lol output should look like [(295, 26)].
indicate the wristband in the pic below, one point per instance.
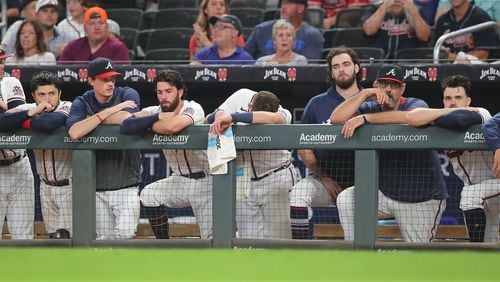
[(364, 118), (246, 117), (27, 124), (99, 117)]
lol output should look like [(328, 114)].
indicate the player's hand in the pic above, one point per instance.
[(332, 187), (3, 105), (141, 114), (166, 115), (496, 164), (351, 125), (43, 107), (129, 104), (221, 123)]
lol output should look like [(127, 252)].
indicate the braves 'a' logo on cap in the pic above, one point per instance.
[(109, 66), (391, 72)]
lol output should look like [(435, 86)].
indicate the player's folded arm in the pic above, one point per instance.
[(459, 120), (134, 125), (47, 122), (12, 120)]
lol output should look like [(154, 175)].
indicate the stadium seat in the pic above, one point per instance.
[(147, 19), (246, 31), (167, 4), (174, 37), (175, 17), (249, 17), (369, 54), (418, 55), (117, 4), (352, 37), (129, 37), (126, 17), (329, 35), (169, 55), (261, 4), (315, 17), (271, 14), (350, 17)]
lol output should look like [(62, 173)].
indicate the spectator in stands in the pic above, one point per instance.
[(309, 40), (490, 6), (283, 37), (47, 14), (73, 24), (331, 8), (471, 46), (9, 38), (480, 198), (330, 171), (225, 50), (428, 9), (97, 43), (396, 24), (114, 29), (411, 184), (203, 33), (30, 47), (13, 10), (117, 171)]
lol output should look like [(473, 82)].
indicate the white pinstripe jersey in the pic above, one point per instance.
[(53, 165), (11, 90), (261, 161), (473, 167), (184, 162)]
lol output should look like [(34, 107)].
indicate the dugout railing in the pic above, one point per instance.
[(366, 143)]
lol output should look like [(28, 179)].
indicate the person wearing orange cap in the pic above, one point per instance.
[(117, 198), (97, 43)]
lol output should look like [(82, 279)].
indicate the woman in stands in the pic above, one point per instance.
[(202, 36), (283, 38), (30, 48)]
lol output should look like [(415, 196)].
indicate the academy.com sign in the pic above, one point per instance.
[(319, 138), (15, 139)]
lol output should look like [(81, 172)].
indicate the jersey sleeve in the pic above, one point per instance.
[(287, 116), (64, 107), (238, 101), (78, 112), (131, 94), (491, 132), (194, 111), (12, 92)]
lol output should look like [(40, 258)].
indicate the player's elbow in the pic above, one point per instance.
[(413, 120), (166, 128)]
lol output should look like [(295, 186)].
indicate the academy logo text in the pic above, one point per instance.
[(473, 137), (93, 139), (252, 139), (159, 139), (317, 138), (399, 138), (15, 139)]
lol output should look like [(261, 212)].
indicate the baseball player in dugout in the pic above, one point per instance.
[(480, 198), (54, 166), (118, 171), (330, 171), (265, 177), (190, 184), (411, 184), (17, 188)]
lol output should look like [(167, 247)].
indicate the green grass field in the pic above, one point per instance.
[(44, 264)]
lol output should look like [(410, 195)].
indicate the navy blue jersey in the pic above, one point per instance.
[(491, 131), (485, 39), (408, 176), (116, 169), (337, 164)]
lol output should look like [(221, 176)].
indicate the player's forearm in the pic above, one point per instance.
[(47, 122), (347, 109), (421, 116), (13, 120), (173, 125), (116, 118), (373, 23), (480, 54), (388, 117), (134, 125), (83, 127), (267, 118), (309, 159)]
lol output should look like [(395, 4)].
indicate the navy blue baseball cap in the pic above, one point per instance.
[(102, 68), (232, 19), (392, 73)]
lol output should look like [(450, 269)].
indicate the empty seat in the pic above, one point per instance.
[(261, 4), (129, 37), (175, 17), (329, 35), (350, 17), (271, 14), (249, 17), (315, 17), (370, 54), (419, 55), (169, 55), (167, 4), (147, 19), (126, 17), (352, 37), (174, 37)]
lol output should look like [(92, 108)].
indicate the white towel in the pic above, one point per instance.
[(220, 151)]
